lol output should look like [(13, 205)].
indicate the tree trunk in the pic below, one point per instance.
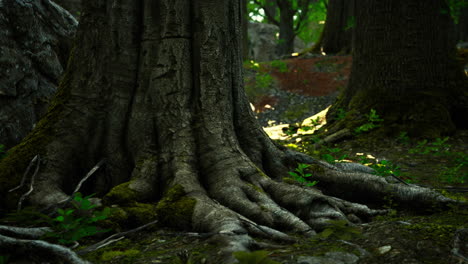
[(155, 89), (337, 33), (462, 25), (286, 27), (408, 74)]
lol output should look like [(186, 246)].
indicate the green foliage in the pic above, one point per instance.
[(455, 8), (453, 174), (310, 25), (341, 114), (373, 120), (4, 259), (386, 168), (437, 147), (263, 80), (314, 123), (403, 138), (333, 155), (256, 257), (339, 229), (300, 175), (73, 224), (280, 65)]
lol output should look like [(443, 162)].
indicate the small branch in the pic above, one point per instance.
[(113, 238), (31, 186), (25, 174)]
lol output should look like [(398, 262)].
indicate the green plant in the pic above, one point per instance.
[(256, 257), (73, 224), (373, 120), (341, 114), (438, 147), (339, 229), (280, 65), (263, 80), (386, 168), (403, 138), (4, 259), (453, 174), (332, 157), (313, 124), (300, 175)]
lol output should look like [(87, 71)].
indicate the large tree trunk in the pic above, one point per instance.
[(404, 67), (155, 89)]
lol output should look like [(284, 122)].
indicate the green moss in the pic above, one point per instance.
[(258, 189), (176, 209), (289, 180), (120, 194), (123, 256)]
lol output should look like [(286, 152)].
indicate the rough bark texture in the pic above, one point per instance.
[(35, 40), (404, 67), (72, 6), (462, 25), (155, 89), (337, 33)]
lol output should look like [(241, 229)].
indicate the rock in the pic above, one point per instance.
[(384, 249), (35, 41), (263, 41), (330, 258)]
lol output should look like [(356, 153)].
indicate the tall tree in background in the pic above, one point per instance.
[(338, 30), (408, 74), (282, 13), (462, 25), (154, 91)]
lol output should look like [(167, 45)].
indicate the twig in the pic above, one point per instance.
[(31, 186), (113, 238), (91, 172), (25, 174)]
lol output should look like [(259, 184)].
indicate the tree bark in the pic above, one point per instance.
[(155, 89), (337, 33), (405, 69)]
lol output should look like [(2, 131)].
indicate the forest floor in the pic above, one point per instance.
[(401, 237)]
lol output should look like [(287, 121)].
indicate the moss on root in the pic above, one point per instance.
[(176, 209), (121, 194)]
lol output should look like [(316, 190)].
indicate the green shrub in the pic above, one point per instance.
[(373, 120), (73, 224)]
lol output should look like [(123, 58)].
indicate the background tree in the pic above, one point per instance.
[(154, 92), (338, 30), (289, 16), (408, 74)]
